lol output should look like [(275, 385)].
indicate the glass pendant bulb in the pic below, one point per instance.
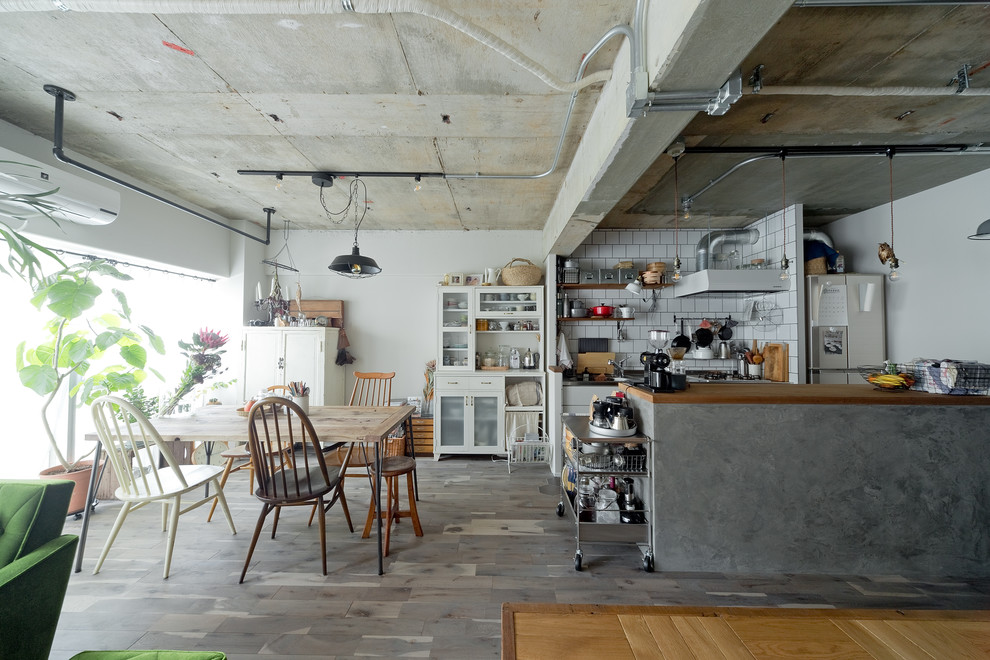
[(784, 265), (894, 274), (677, 269), (278, 182)]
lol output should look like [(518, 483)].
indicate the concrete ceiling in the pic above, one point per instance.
[(182, 101)]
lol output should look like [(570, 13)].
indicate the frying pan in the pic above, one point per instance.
[(725, 334), (681, 340), (705, 337)]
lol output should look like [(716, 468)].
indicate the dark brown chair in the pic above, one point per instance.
[(289, 466)]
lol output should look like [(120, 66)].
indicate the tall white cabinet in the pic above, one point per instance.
[(472, 414), (278, 356)]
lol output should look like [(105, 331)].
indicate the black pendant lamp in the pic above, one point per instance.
[(353, 265)]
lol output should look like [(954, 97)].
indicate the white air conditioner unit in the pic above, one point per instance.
[(77, 199)]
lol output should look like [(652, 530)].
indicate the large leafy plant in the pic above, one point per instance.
[(91, 345)]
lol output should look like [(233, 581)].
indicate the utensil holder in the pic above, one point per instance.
[(754, 370), (302, 402)]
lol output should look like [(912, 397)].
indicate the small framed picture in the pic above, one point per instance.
[(457, 279), (472, 280)]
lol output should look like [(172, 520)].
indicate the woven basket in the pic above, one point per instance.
[(815, 266), (526, 275)]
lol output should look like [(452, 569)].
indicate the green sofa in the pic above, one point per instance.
[(35, 563)]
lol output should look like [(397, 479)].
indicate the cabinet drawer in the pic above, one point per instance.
[(486, 383)]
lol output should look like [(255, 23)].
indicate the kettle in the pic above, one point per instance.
[(723, 351), (530, 360)]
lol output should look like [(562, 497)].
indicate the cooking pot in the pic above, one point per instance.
[(625, 312), (602, 310)]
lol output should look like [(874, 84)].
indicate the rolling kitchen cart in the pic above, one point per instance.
[(587, 462)]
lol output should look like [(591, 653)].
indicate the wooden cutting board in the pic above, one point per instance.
[(775, 362), (596, 363)]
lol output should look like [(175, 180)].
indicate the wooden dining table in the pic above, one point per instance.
[(333, 424)]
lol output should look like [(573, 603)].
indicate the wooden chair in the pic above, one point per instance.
[(278, 428), (238, 457), (370, 389), (133, 447)]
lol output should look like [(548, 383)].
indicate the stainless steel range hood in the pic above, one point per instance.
[(715, 281)]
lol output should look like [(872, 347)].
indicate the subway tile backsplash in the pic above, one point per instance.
[(767, 318)]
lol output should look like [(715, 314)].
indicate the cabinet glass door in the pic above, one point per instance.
[(487, 415), (453, 422), (456, 333)]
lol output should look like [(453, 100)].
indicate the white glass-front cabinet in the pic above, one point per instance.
[(456, 329), (479, 326), (469, 417), (277, 356)]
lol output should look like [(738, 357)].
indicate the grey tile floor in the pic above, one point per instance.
[(490, 537)]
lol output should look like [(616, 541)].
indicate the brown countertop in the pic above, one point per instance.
[(803, 394)]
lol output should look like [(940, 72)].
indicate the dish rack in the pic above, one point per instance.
[(528, 448), (948, 376)]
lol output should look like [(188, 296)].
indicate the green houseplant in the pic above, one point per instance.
[(87, 350), (98, 349)]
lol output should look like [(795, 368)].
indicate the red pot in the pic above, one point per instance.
[(602, 310)]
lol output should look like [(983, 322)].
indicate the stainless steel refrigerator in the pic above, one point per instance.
[(846, 327)]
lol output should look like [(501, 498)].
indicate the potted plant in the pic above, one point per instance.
[(87, 350)]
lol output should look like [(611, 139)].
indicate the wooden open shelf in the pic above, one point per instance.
[(595, 318), (580, 285)]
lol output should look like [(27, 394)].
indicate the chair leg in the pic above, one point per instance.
[(343, 505), (223, 482), (411, 488), (323, 535), (265, 509), (278, 510), (173, 525), (222, 499), (124, 510), (391, 512)]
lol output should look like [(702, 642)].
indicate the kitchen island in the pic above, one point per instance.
[(819, 479)]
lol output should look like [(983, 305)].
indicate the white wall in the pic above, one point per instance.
[(391, 319), (939, 306)]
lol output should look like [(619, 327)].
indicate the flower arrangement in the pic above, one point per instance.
[(203, 355), (431, 368)]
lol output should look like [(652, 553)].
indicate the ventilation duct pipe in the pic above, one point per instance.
[(815, 235), (715, 239)]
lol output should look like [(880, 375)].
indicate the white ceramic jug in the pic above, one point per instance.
[(491, 275)]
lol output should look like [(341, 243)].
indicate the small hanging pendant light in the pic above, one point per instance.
[(784, 261), (982, 232), (677, 249), (886, 251), (353, 265)]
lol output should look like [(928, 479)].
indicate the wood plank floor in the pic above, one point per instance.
[(534, 631), (490, 538)]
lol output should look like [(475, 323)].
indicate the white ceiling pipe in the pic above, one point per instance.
[(836, 90), (297, 7)]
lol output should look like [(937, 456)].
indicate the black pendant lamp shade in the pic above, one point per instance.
[(355, 265)]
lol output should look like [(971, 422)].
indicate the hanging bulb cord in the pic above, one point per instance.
[(783, 201), (353, 203), (677, 253), (890, 160)]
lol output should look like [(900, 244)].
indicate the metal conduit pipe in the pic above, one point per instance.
[(715, 239), (823, 152), (421, 7), (883, 3), (835, 90)]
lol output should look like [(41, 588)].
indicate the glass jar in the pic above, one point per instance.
[(488, 360)]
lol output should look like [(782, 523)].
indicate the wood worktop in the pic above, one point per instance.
[(783, 393)]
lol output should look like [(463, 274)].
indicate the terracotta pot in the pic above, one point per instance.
[(77, 504)]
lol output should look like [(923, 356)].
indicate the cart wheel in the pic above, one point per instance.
[(577, 561), (648, 563), (560, 509)]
